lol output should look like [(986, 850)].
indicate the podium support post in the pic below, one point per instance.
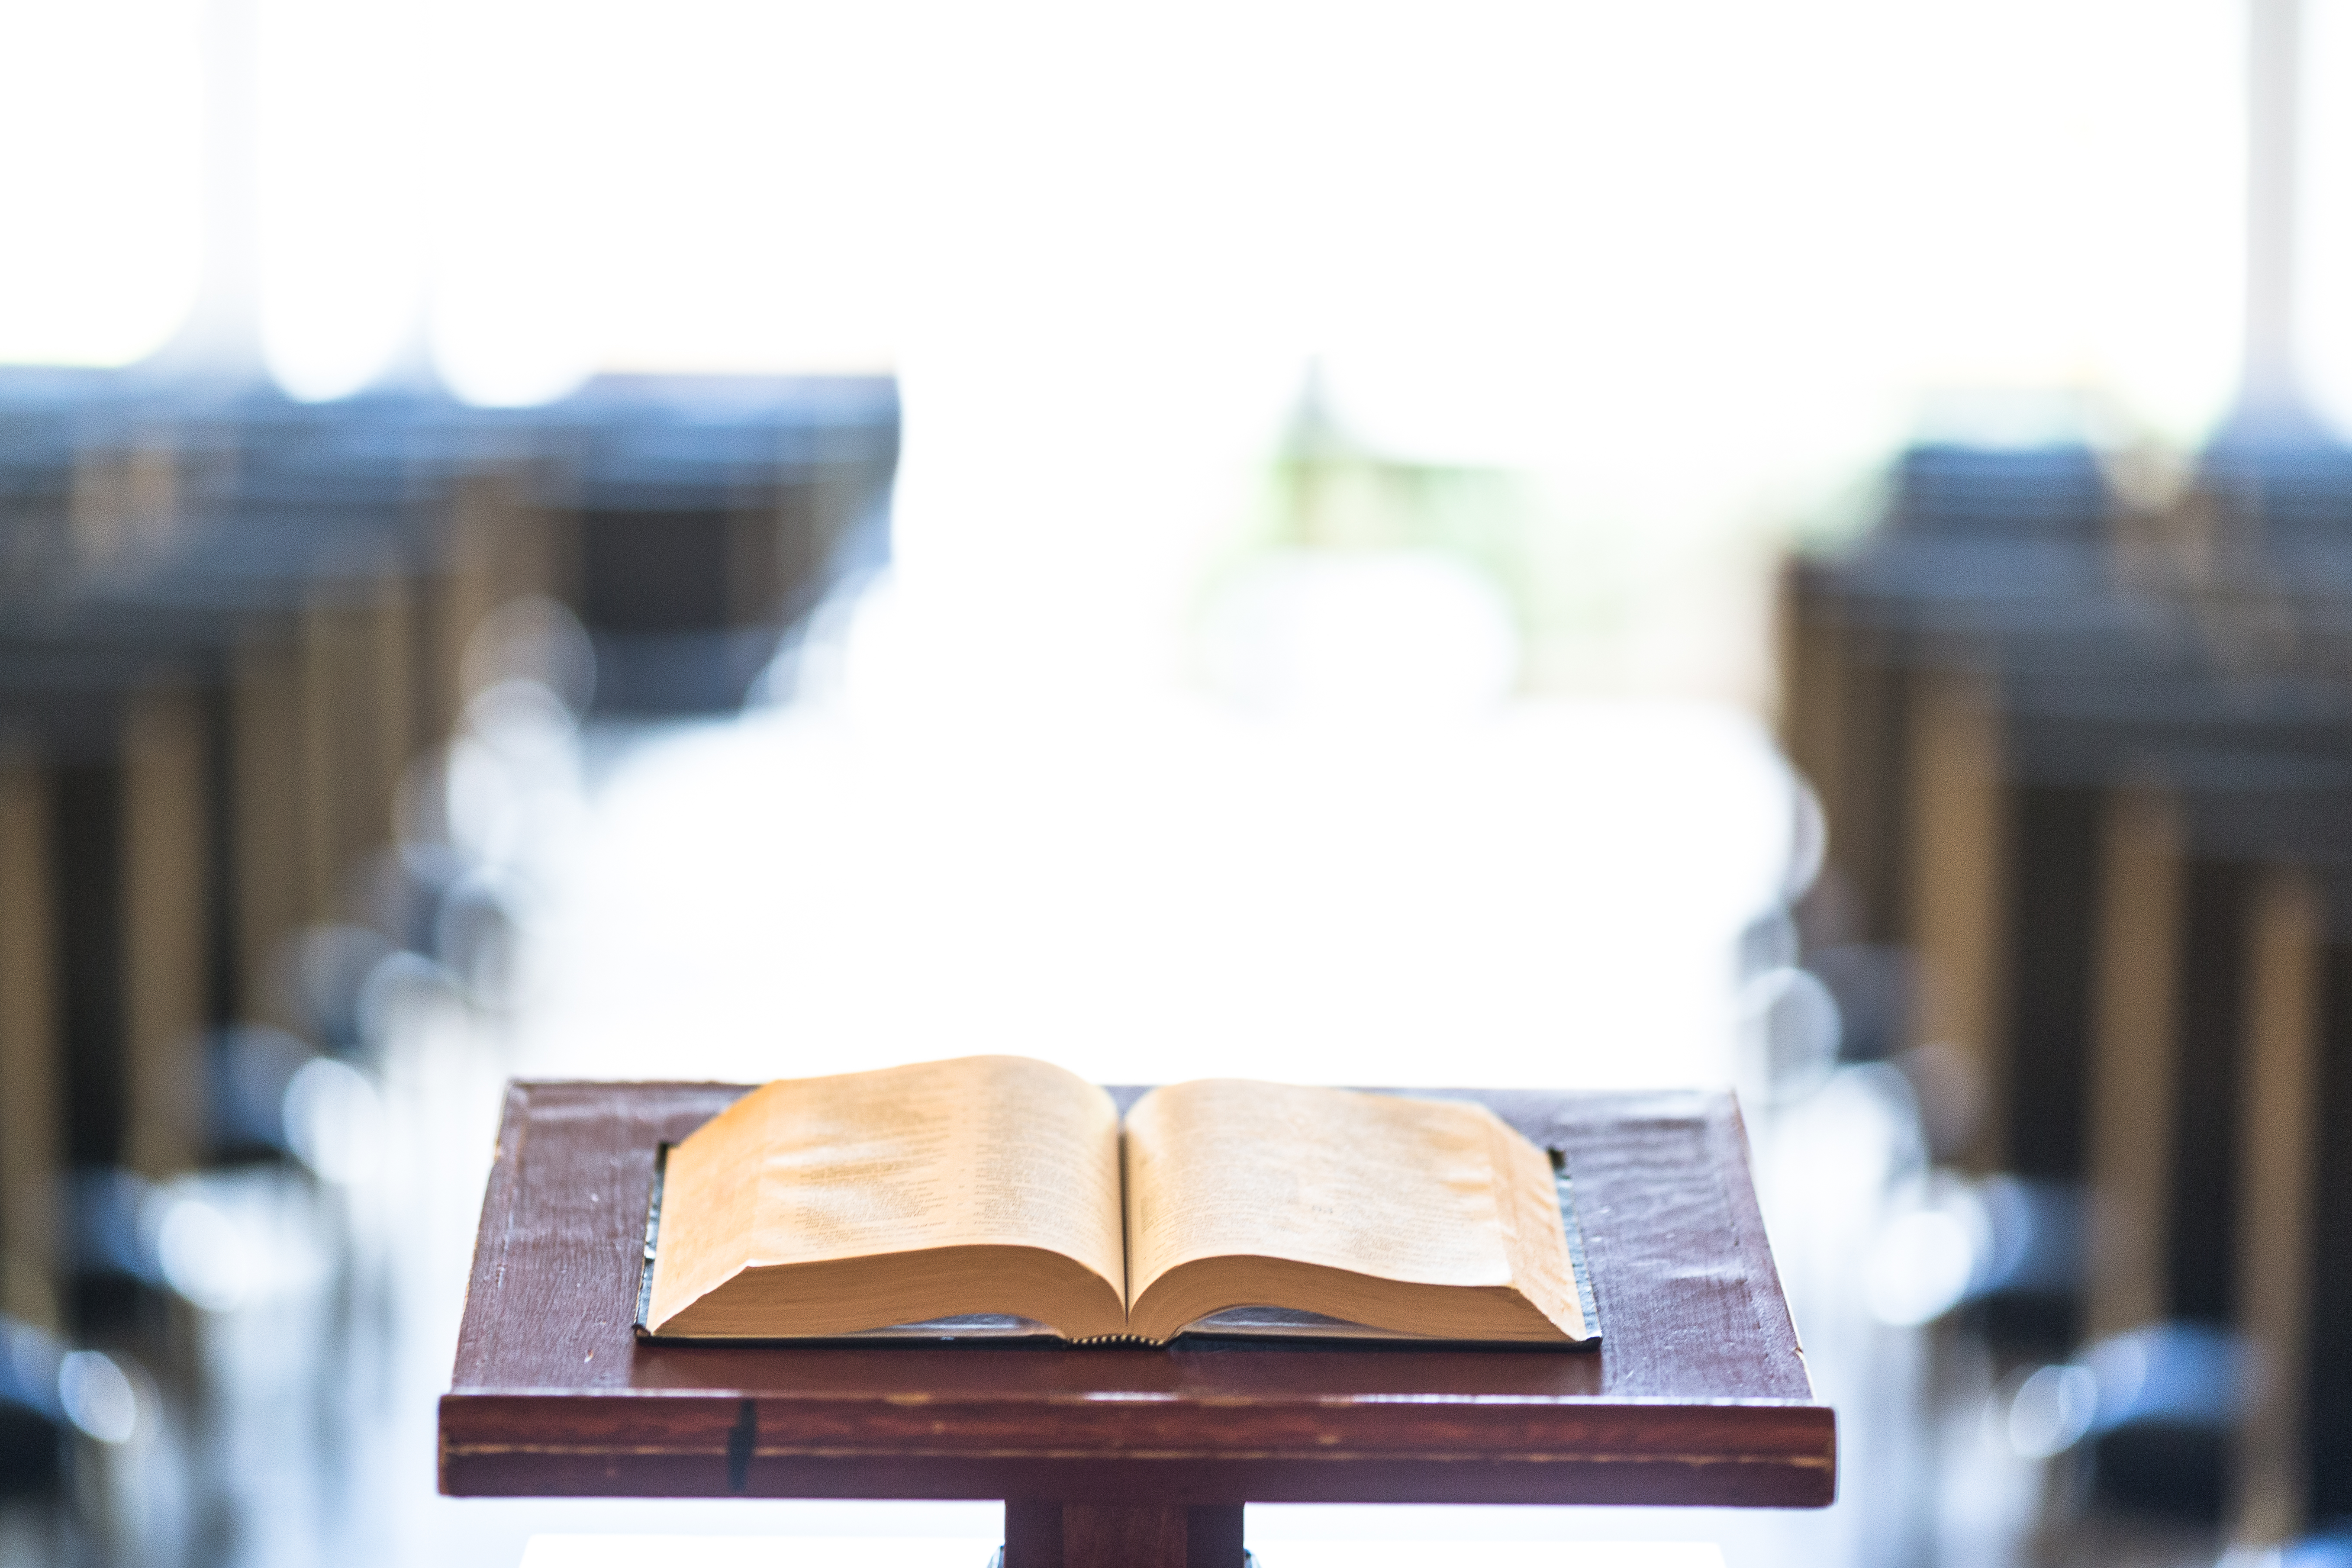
[(1087, 1535)]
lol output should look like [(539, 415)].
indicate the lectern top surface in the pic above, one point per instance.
[(1698, 1392)]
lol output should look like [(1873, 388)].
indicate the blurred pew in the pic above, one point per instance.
[(230, 626), (2091, 762)]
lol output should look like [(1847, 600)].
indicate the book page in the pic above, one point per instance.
[(974, 1151), (1397, 1189), (1527, 1202)]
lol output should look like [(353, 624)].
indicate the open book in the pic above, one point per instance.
[(1004, 1194)]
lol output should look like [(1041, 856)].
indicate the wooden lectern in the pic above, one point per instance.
[(1139, 1457)]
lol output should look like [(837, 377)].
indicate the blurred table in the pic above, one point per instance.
[(1698, 1394)]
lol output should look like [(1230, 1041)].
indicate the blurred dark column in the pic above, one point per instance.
[(2055, 867), (1960, 881), (223, 983), (1848, 735), (493, 543), (85, 838), (166, 929), (2278, 1179), (357, 672), (2130, 1090), (2327, 1405), (657, 590), (2200, 1270), (266, 773), (32, 1118)]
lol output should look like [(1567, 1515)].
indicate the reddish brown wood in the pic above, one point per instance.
[(1085, 1536), (1697, 1395), (1213, 1537), (1033, 1534), (1095, 1537)]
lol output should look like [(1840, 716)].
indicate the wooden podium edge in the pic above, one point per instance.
[(1764, 1452), (1743, 1452)]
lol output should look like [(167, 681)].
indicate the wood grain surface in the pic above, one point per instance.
[(1698, 1394)]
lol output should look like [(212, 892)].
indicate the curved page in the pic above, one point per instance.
[(1424, 1215), (811, 1193)]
